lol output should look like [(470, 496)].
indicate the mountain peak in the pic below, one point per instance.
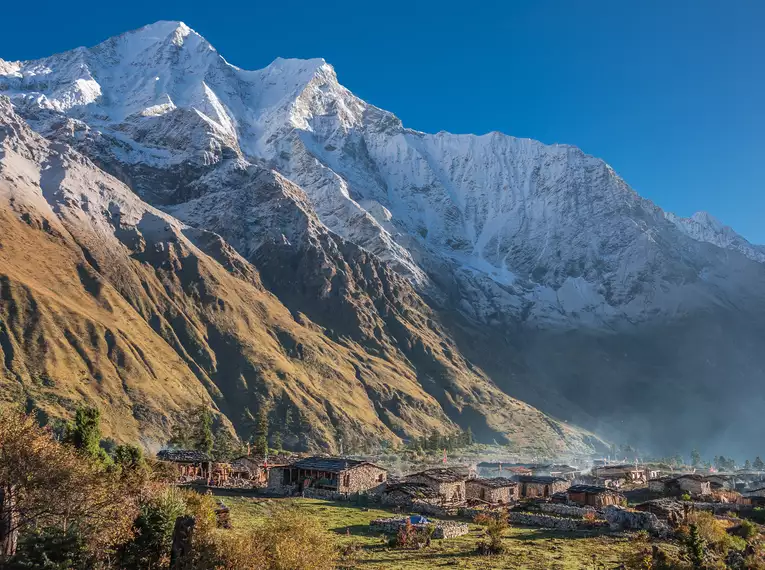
[(708, 221), (162, 30)]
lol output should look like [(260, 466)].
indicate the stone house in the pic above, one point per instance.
[(254, 469), (409, 495), (497, 490), (190, 463), (721, 482), (331, 474), (540, 486), (694, 485), (629, 473), (592, 496), (448, 483), (658, 485)]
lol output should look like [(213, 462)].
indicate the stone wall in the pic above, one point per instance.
[(362, 478), (555, 523), (433, 510), (442, 529), (312, 493), (566, 510), (532, 490), (623, 519)]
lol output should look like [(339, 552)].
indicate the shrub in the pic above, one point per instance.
[(758, 515), (495, 525), (232, 551), (154, 530), (747, 530), (655, 559), (409, 536), (129, 456), (293, 541), (51, 548)]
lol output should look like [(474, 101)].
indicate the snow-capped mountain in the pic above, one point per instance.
[(510, 228), (495, 231)]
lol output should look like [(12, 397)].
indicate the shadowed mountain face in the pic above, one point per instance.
[(471, 269)]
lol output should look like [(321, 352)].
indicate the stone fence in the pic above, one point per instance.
[(312, 493), (568, 510), (543, 520), (555, 523), (441, 529)]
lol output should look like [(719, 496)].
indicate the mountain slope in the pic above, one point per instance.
[(522, 250), (112, 301)]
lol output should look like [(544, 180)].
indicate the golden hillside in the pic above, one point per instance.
[(107, 300)]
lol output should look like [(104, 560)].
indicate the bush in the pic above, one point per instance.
[(154, 530), (747, 530), (51, 549), (409, 536), (495, 525), (290, 540), (231, 551), (656, 559)]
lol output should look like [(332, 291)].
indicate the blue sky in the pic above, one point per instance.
[(671, 93)]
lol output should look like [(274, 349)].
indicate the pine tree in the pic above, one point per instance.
[(204, 440), (695, 458), (747, 465), (85, 433), (758, 464), (695, 547), (261, 433), (469, 439), (435, 441), (277, 441)]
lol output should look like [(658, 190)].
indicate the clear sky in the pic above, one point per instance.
[(670, 92)]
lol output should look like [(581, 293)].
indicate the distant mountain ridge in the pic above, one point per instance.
[(513, 242)]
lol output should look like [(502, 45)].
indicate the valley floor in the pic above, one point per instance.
[(527, 548)]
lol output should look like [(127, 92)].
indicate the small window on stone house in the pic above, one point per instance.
[(380, 478), (346, 480)]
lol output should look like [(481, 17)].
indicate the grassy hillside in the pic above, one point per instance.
[(527, 548)]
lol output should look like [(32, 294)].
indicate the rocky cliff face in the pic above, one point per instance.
[(539, 264)]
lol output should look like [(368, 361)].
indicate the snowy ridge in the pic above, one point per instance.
[(702, 226), (503, 228)]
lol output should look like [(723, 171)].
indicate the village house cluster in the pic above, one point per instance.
[(449, 490)]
